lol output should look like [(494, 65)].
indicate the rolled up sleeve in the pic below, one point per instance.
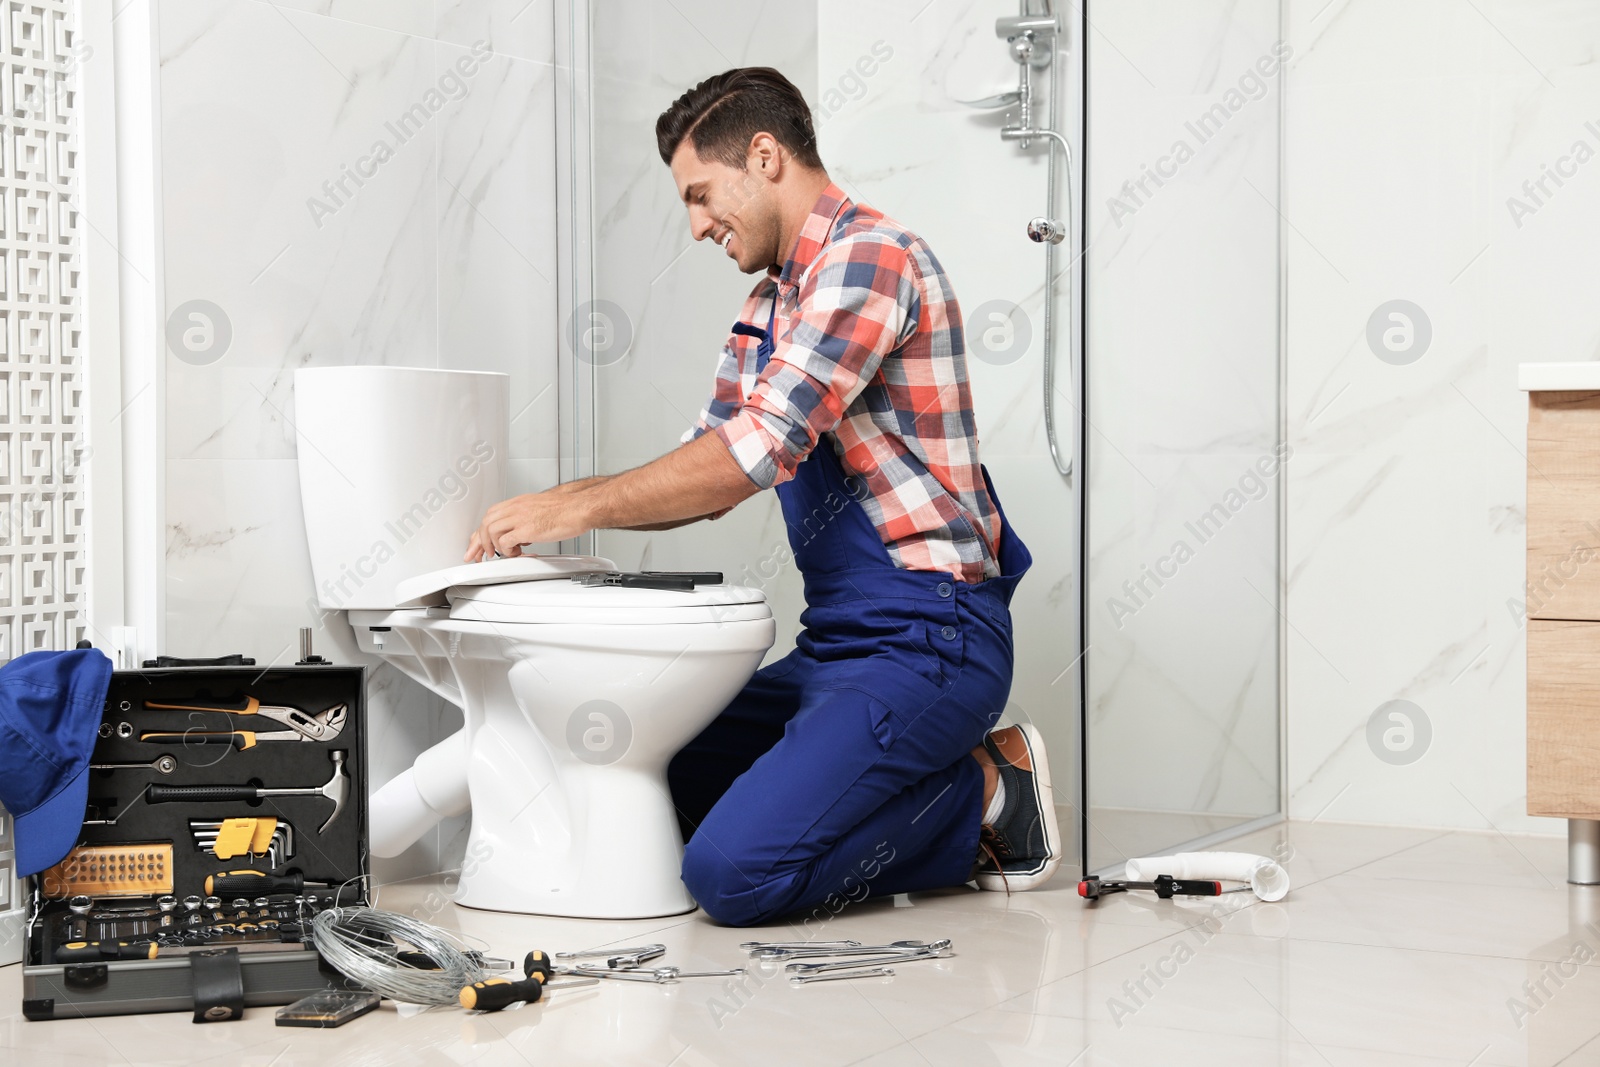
[(858, 303)]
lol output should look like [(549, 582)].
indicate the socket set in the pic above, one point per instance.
[(92, 931), (226, 807)]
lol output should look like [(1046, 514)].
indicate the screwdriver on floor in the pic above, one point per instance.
[(1166, 887), (492, 994)]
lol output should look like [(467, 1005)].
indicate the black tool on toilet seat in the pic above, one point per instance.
[(677, 581)]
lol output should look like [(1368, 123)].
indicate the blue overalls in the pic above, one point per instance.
[(844, 770)]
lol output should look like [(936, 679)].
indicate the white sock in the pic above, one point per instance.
[(998, 804)]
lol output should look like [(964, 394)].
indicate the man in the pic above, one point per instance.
[(861, 763)]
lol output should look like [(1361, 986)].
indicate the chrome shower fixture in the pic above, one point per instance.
[(1042, 229), (1032, 42)]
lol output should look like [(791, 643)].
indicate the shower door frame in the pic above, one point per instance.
[(577, 384), (1279, 484)]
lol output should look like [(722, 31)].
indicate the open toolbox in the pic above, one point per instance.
[(198, 773)]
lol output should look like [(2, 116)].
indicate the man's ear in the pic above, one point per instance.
[(766, 155)]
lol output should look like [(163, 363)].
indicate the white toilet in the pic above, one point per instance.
[(575, 693)]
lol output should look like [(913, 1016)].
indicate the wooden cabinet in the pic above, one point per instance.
[(1563, 604), (1564, 718), (1564, 505)]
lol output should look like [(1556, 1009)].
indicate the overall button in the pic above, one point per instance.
[(944, 589), (948, 633)]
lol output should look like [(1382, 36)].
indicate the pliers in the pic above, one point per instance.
[(325, 725)]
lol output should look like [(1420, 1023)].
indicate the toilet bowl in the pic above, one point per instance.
[(574, 693)]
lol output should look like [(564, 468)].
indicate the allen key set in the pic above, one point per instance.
[(226, 810)]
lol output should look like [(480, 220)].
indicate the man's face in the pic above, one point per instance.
[(735, 208)]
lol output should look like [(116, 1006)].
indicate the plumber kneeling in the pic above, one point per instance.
[(865, 756)]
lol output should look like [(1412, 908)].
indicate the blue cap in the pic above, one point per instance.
[(51, 704)]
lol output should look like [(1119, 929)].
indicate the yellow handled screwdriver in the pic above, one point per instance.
[(492, 994), (94, 951), (248, 883)]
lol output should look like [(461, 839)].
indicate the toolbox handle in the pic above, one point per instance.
[(198, 794), (234, 660)]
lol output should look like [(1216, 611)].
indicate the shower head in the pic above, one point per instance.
[(1009, 26), (989, 103)]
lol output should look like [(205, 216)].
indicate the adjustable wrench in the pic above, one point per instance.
[(325, 725)]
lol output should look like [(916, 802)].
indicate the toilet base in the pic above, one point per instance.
[(591, 842), (562, 757)]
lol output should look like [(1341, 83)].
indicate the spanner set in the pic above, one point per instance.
[(226, 808)]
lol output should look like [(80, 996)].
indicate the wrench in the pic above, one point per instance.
[(607, 972), (870, 972), (622, 958), (658, 975), (859, 950), (842, 965), (673, 973), (755, 947), (590, 953), (163, 765)]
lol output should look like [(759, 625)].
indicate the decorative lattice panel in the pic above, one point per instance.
[(42, 446)]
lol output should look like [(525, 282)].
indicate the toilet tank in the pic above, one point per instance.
[(397, 466)]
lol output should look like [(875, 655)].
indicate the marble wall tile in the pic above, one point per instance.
[(1411, 127), (497, 272), (521, 28), (444, 256), (415, 17), (675, 299)]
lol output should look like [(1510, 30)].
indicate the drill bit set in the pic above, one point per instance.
[(225, 811)]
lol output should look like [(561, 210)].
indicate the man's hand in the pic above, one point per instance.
[(553, 515), (694, 481)]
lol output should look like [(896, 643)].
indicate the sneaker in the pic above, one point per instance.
[(1022, 848)]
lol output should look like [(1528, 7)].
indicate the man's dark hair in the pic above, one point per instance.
[(721, 115)]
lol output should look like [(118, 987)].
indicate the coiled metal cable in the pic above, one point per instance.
[(363, 944)]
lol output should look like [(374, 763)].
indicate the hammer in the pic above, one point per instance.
[(336, 790)]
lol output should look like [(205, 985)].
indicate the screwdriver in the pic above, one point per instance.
[(424, 962), (492, 994), (257, 883), (1166, 887), (95, 951)]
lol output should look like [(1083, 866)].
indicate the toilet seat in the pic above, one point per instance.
[(608, 605), (428, 590), (540, 589)]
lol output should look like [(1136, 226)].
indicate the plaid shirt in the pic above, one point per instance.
[(869, 349)]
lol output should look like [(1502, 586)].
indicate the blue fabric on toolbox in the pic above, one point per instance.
[(51, 704)]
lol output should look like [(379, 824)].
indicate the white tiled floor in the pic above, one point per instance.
[(1395, 947)]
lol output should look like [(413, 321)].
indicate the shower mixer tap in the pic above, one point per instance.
[(1042, 229), (1030, 39)]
